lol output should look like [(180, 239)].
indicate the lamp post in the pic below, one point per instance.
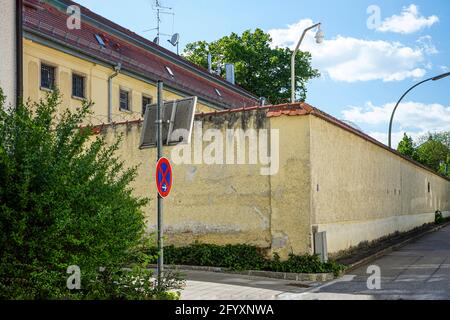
[(439, 77), (319, 39)]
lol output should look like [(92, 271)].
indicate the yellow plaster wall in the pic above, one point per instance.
[(366, 192), (291, 187), (219, 204)]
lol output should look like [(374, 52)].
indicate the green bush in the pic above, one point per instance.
[(65, 200), (235, 257), (438, 217), (243, 257)]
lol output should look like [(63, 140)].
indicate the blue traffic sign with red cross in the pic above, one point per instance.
[(164, 177)]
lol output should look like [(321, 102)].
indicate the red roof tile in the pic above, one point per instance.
[(47, 21)]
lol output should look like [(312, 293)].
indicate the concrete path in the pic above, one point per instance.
[(220, 286), (420, 270)]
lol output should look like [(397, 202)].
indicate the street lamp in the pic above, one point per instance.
[(319, 39), (439, 77)]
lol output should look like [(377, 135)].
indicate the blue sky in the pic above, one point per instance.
[(366, 62)]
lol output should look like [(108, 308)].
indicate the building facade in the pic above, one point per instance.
[(95, 59)]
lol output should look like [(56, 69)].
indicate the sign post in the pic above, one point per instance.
[(178, 115), (159, 142)]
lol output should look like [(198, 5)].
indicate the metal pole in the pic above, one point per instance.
[(439, 77), (395, 109), (160, 199), (293, 61)]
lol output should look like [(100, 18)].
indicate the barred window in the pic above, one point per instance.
[(47, 77), (124, 100), (78, 86), (145, 102)]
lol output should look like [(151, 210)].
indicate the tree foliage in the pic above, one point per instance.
[(64, 200), (407, 148), (259, 68), (433, 151)]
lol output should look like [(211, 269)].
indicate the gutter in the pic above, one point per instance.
[(184, 64), (43, 39), (117, 69)]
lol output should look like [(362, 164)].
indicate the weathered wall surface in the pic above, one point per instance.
[(7, 49), (291, 187), (328, 179), (363, 192), (210, 203)]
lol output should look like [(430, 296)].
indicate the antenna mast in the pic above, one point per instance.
[(160, 9)]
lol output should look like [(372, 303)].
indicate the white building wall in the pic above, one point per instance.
[(7, 49)]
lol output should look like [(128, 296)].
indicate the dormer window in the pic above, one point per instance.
[(218, 92), (100, 40), (169, 71)]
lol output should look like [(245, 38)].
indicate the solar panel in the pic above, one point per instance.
[(178, 121)]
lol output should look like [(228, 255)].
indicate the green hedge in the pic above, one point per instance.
[(243, 257)]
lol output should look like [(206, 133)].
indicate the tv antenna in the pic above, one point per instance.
[(160, 10)]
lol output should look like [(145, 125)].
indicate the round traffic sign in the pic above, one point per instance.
[(164, 177)]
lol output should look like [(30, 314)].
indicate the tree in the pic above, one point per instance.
[(259, 68), (443, 137), (433, 154), (433, 151), (407, 148), (65, 201)]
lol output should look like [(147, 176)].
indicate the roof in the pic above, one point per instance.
[(47, 21), (288, 109), (302, 109)]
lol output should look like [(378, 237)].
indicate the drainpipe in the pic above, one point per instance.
[(117, 69)]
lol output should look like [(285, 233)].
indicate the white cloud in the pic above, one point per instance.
[(396, 136), (427, 45), (415, 118), (351, 59), (409, 21)]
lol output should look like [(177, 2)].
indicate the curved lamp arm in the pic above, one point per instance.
[(293, 60), (439, 77)]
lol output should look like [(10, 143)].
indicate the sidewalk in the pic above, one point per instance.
[(219, 286)]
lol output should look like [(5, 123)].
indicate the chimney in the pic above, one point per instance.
[(209, 62), (229, 70)]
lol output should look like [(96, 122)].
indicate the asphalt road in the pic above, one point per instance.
[(419, 270)]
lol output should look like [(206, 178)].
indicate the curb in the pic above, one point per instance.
[(389, 249), (312, 277)]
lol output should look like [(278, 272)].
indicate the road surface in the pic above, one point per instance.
[(419, 270)]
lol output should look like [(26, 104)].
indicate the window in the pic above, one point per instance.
[(170, 72), (429, 187), (124, 100), (100, 40), (78, 86), (145, 102), (47, 77)]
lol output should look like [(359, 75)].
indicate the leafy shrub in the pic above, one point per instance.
[(236, 257), (65, 200), (438, 217), (244, 257)]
